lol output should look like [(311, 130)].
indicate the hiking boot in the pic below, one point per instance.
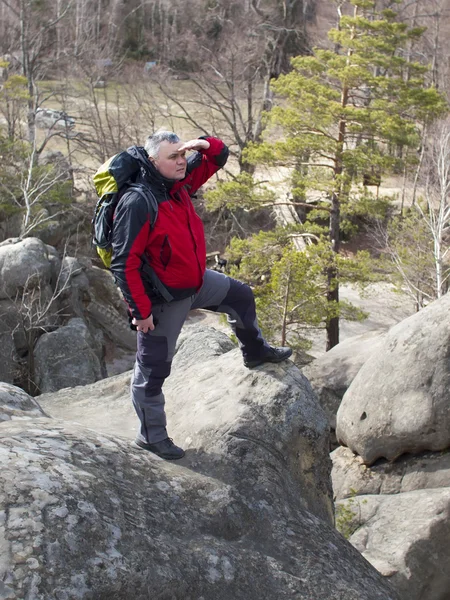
[(164, 449), (270, 355)]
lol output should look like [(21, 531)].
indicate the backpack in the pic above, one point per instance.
[(115, 177)]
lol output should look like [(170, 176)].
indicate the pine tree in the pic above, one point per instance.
[(348, 116), (290, 287)]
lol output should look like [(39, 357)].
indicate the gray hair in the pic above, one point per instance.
[(153, 142)]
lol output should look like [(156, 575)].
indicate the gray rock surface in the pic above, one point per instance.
[(331, 374), (92, 295), (351, 476), (406, 538), (104, 406), (22, 263), (55, 266), (86, 515), (226, 414), (67, 357), (93, 518), (399, 400), (197, 343), (15, 403)]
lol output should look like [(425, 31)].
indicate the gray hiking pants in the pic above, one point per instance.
[(155, 349)]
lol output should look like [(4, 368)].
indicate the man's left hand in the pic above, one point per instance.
[(194, 145)]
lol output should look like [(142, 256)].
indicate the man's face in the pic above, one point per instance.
[(170, 162)]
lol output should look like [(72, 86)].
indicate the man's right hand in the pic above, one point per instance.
[(144, 324)]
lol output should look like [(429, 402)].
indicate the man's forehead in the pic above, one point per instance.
[(167, 149)]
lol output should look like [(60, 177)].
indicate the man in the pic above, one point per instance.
[(175, 249)]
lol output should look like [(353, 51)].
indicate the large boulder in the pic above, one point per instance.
[(331, 374), (23, 264), (90, 516), (258, 429), (87, 516), (352, 477), (399, 400), (406, 538), (67, 357), (90, 293)]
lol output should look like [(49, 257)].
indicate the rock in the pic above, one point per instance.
[(59, 162), (55, 265), (56, 120), (399, 400), (15, 403), (405, 537), (331, 374), (26, 317), (11, 325), (53, 231), (198, 343), (9, 359), (10, 226), (268, 415), (104, 406), (23, 263), (93, 295), (66, 358), (263, 424), (351, 476), (90, 517), (72, 275), (384, 305)]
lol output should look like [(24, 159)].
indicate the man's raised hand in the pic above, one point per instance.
[(194, 145)]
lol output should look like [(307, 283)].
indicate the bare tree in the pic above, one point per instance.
[(437, 211), (230, 90), (28, 187), (37, 309)]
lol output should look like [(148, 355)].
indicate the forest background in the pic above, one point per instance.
[(320, 102)]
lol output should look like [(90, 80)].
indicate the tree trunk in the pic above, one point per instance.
[(285, 310), (25, 9), (332, 327)]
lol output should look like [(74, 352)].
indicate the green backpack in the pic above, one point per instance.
[(115, 177)]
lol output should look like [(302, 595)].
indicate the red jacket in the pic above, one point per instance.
[(175, 246)]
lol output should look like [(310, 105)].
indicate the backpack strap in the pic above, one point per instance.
[(152, 202)]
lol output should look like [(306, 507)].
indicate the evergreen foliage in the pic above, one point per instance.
[(291, 287), (349, 116)]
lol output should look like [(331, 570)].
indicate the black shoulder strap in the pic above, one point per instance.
[(149, 197)]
